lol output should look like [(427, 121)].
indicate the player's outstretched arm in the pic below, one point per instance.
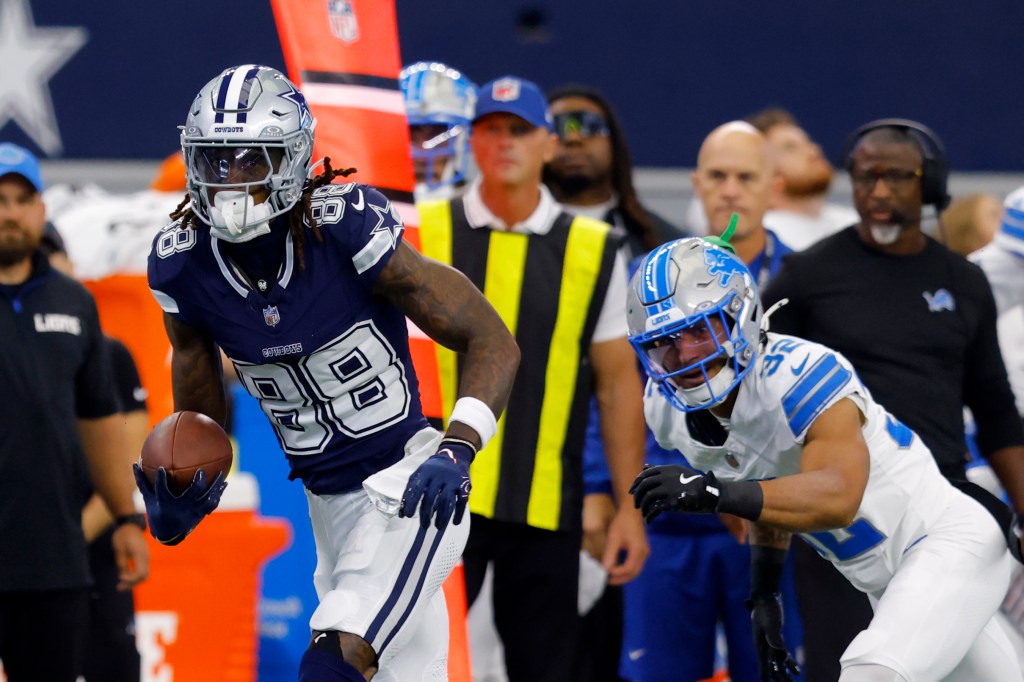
[(768, 549), (197, 385), (196, 373), (834, 469), (825, 495), (443, 303)]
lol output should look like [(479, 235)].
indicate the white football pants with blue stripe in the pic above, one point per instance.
[(379, 576)]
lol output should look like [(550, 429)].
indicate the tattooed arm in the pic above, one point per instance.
[(196, 377), (444, 303), (768, 536)]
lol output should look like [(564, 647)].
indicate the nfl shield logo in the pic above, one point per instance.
[(505, 90), (271, 316), (343, 20)]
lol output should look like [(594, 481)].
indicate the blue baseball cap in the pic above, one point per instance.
[(512, 95), (15, 159)]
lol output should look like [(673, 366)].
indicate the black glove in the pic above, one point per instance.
[(172, 518), (773, 661), (442, 482), (671, 486)]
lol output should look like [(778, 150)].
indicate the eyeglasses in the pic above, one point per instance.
[(893, 179), (582, 123)]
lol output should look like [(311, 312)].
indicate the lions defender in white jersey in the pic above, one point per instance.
[(306, 286), (785, 435)]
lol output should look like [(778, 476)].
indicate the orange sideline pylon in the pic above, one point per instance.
[(344, 56)]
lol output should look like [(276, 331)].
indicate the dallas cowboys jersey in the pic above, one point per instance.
[(327, 359), (791, 383)]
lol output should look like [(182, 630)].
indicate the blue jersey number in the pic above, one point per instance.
[(776, 354), (353, 385), (844, 544)]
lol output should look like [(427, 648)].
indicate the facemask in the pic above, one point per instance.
[(701, 396), (236, 218)]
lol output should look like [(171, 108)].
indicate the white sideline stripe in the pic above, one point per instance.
[(355, 97), (414, 331)]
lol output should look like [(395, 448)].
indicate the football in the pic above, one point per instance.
[(183, 443)]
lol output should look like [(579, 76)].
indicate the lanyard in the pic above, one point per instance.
[(768, 262)]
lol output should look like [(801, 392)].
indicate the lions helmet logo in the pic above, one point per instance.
[(721, 263)]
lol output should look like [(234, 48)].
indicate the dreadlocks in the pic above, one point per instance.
[(298, 217)]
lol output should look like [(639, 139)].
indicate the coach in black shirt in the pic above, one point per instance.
[(58, 404), (918, 323)]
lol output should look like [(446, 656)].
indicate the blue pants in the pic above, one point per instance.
[(690, 583)]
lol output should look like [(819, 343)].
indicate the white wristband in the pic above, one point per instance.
[(477, 415)]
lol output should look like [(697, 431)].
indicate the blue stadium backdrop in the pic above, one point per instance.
[(112, 80), (122, 73)]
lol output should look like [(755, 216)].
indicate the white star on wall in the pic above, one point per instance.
[(30, 56)]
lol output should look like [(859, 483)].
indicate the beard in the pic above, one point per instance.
[(884, 235), (814, 182), (17, 246), (570, 185)]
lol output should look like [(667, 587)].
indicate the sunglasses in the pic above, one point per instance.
[(582, 123)]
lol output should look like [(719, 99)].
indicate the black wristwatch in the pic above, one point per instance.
[(137, 519)]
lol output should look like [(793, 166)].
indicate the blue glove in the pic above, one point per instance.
[(442, 481), (172, 518), (774, 662), (672, 486)]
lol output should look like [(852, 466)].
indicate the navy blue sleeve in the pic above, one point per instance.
[(364, 223)]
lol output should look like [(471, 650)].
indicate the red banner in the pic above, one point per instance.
[(344, 56)]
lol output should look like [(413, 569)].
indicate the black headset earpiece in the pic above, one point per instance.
[(934, 168)]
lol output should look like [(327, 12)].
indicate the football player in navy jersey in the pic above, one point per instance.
[(781, 432), (306, 286)]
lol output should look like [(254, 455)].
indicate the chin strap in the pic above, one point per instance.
[(765, 323)]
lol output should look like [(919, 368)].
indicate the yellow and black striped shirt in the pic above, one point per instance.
[(549, 289)]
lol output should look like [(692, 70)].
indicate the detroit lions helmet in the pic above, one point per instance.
[(692, 309), (248, 141), (439, 103), (1011, 227)]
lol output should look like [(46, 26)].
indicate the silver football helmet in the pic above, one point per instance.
[(248, 141), (694, 319), (439, 103)]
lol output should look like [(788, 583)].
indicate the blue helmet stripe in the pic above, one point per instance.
[(417, 87), (1013, 223), (657, 273), (243, 96), (222, 95)]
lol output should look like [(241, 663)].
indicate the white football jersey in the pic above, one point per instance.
[(791, 383)]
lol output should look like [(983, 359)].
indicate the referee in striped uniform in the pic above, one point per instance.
[(558, 282)]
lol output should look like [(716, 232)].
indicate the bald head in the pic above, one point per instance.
[(735, 174), (733, 135)]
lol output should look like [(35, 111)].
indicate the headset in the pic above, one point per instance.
[(934, 167)]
